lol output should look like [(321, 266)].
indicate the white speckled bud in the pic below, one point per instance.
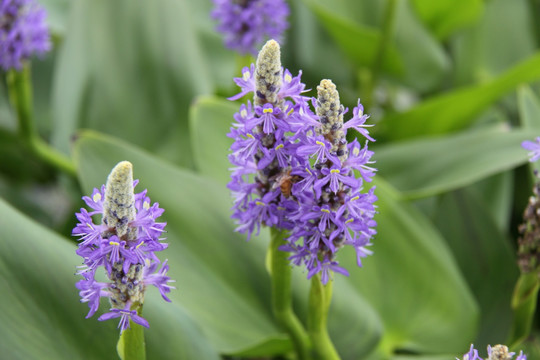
[(268, 74), (118, 206), (499, 352), (330, 113)]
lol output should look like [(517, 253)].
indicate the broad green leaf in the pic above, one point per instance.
[(210, 120), (485, 258), (57, 13), (459, 108), (443, 17), (424, 59), (529, 109), (413, 282), (430, 166), (497, 194), (501, 38), (221, 279), (42, 317), (358, 42), (130, 68)]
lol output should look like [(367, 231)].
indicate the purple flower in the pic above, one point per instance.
[(303, 180), (125, 316), (124, 244), (533, 147), (246, 24), (494, 353), (23, 32)]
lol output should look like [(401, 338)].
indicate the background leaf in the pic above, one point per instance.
[(443, 17), (459, 108), (137, 64), (431, 166), (42, 317)]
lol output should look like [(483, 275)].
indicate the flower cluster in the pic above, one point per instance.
[(533, 147), (497, 352), (124, 244), (294, 169), (245, 24), (23, 32)]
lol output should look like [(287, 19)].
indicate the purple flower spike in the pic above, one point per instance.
[(23, 32), (294, 169), (124, 244), (246, 24), (533, 147)]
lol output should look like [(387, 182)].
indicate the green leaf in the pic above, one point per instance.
[(413, 282), (358, 42), (529, 108), (131, 345), (485, 258), (57, 14), (501, 38), (221, 280), (210, 119), (42, 317), (444, 17), (430, 166), (424, 59), (524, 303), (459, 108), (130, 68)]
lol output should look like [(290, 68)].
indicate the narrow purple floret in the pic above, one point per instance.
[(246, 24), (294, 170), (130, 264), (533, 147), (23, 32)]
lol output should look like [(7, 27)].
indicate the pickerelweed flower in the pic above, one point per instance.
[(533, 147), (497, 352), (124, 245), (246, 24), (294, 169), (23, 32)]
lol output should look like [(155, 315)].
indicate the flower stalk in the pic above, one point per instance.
[(131, 344), (280, 269), (320, 297), (20, 95)]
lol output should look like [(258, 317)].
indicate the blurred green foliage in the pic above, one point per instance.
[(454, 95)]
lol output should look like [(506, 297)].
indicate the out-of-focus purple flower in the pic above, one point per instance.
[(533, 147), (124, 245), (246, 24), (23, 32), (497, 352), (294, 169)]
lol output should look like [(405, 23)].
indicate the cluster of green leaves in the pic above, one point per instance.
[(147, 81)]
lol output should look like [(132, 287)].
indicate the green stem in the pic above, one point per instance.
[(20, 95), (524, 307), (320, 297), (131, 345), (280, 270), (387, 29)]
